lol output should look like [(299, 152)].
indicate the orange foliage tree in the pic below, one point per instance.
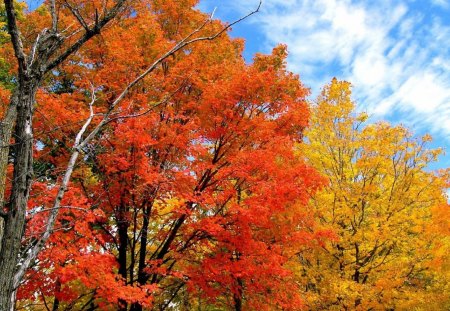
[(188, 191)]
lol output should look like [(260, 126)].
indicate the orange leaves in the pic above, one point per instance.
[(97, 271), (201, 191)]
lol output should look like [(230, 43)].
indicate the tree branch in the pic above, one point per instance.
[(227, 27), (54, 16), (140, 114), (33, 48), (78, 16), (14, 32), (90, 32)]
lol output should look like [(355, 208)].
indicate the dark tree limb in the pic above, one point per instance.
[(89, 33), (14, 32)]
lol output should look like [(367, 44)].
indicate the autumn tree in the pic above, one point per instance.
[(196, 199), (386, 207), (40, 44)]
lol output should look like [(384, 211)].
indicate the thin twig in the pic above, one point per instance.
[(78, 16), (164, 101)]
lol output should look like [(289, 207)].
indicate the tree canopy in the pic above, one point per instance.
[(387, 210)]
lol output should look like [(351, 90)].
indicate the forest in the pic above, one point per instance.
[(145, 165)]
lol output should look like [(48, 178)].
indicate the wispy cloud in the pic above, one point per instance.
[(442, 3), (396, 53)]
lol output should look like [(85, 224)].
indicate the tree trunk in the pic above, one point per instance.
[(6, 127), (142, 275), (122, 224), (15, 219), (237, 297)]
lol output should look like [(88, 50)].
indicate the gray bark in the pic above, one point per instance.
[(6, 127), (22, 177)]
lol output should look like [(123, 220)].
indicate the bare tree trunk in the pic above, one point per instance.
[(6, 127), (22, 177)]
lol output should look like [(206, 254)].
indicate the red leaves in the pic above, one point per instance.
[(202, 191)]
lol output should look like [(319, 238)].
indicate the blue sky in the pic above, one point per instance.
[(396, 53)]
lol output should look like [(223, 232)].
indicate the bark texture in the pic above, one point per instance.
[(22, 177)]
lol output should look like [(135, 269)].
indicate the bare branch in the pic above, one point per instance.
[(226, 27), (78, 16), (71, 34), (33, 49), (14, 32), (89, 120), (112, 13), (212, 14)]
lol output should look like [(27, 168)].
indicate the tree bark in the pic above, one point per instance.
[(237, 297), (15, 218), (122, 224), (6, 127), (142, 275)]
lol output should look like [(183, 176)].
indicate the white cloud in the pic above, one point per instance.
[(441, 3), (418, 90), (395, 54)]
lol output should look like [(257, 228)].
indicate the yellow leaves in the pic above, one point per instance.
[(362, 117), (427, 138), (85, 173), (381, 201), (168, 206)]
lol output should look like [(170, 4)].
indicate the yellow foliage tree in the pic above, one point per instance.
[(388, 211)]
